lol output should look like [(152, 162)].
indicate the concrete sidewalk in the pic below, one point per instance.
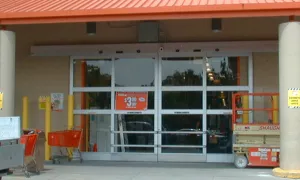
[(95, 170)]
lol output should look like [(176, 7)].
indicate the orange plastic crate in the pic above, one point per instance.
[(67, 138)]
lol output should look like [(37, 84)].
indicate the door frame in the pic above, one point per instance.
[(156, 156)]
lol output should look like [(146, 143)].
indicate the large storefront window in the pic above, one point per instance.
[(134, 72), (92, 73), (227, 71), (184, 71), (159, 108)]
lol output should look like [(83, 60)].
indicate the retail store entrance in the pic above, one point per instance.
[(158, 106)]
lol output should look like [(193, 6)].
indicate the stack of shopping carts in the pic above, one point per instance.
[(29, 141)]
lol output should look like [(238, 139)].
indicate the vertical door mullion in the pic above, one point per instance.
[(71, 83), (159, 100), (204, 106), (156, 104), (112, 115)]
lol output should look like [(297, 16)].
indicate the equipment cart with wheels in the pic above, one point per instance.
[(256, 130), (11, 151), (29, 142), (65, 140)]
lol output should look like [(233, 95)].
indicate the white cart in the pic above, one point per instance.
[(11, 151)]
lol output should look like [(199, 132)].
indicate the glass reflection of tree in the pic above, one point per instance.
[(185, 78), (94, 78), (226, 76), (182, 100)]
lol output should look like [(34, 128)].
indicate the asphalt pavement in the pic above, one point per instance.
[(95, 170)]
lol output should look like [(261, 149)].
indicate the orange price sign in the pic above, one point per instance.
[(132, 101)]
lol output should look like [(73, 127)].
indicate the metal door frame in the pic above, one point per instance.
[(157, 155)]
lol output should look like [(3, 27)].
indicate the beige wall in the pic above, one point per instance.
[(266, 72), (37, 76)]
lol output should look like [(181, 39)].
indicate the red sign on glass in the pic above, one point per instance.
[(132, 101)]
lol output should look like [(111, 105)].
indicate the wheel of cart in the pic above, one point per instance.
[(29, 142), (240, 160), (65, 140)]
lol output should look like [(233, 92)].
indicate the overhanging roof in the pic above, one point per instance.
[(55, 11)]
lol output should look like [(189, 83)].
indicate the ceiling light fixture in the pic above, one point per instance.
[(91, 28), (216, 25)]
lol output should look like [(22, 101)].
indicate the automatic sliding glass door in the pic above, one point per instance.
[(181, 128), (135, 103)]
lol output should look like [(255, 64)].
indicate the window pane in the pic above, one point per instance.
[(181, 100), (181, 122), (100, 132), (97, 73), (220, 99), (134, 72), (227, 71), (181, 150), (184, 71), (183, 125), (93, 100), (182, 139), (134, 122), (135, 138), (135, 149), (150, 103), (219, 137)]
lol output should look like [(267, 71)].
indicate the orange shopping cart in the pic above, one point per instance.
[(65, 139), (29, 142)]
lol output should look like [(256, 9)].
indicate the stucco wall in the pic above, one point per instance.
[(37, 76), (266, 72)]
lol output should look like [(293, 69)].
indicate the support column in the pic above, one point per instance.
[(7, 72), (289, 74)]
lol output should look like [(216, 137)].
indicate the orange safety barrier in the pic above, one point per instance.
[(29, 141), (237, 106), (67, 138)]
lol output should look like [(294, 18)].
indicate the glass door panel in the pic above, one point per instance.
[(134, 133), (219, 134), (181, 134)]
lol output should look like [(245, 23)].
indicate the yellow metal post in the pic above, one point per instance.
[(70, 111), (275, 112), (47, 127), (245, 103), (25, 113), (70, 118)]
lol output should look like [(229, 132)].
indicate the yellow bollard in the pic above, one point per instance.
[(70, 111), (25, 113), (275, 112), (70, 118), (245, 103), (47, 127)]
